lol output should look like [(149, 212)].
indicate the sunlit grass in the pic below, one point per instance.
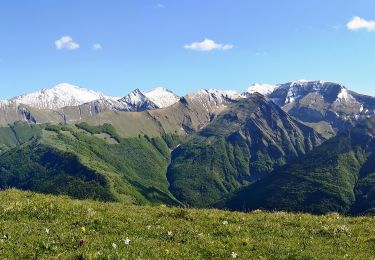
[(41, 226)]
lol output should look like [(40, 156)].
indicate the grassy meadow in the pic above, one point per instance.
[(57, 227)]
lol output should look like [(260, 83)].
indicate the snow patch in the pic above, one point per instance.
[(264, 89), (344, 95)]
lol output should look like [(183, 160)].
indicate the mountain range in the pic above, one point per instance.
[(65, 102), (299, 146), (325, 106)]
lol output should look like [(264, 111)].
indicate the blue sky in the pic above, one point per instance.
[(149, 43)]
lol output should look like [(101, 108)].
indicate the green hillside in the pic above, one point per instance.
[(337, 176), (91, 162), (16, 134), (48, 227)]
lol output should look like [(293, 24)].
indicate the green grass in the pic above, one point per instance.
[(49, 227)]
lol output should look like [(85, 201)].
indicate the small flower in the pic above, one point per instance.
[(234, 255), (114, 245), (47, 230), (225, 222), (83, 229), (127, 241), (343, 229), (170, 233), (81, 242), (148, 227)]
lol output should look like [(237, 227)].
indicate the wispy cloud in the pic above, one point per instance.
[(208, 45), (97, 46), (66, 42), (358, 23)]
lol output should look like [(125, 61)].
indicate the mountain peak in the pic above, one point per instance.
[(137, 91), (58, 96), (162, 97), (135, 97)]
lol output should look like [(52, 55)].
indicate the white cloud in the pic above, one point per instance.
[(66, 42), (358, 23), (207, 45), (97, 46)]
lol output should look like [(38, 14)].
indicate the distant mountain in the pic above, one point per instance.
[(137, 101), (243, 143), (326, 106), (337, 176), (66, 103), (60, 96)]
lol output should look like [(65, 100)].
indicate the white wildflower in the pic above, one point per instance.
[(170, 233), (234, 255), (114, 245), (225, 222), (127, 241), (47, 230)]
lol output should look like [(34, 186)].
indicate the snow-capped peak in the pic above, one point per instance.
[(139, 100), (264, 89), (59, 96), (162, 97), (135, 97)]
